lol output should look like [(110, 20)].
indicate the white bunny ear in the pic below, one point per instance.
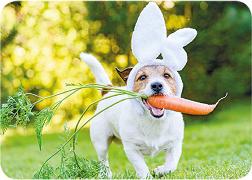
[(149, 33), (173, 52), (183, 36)]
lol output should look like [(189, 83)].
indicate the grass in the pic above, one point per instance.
[(217, 148)]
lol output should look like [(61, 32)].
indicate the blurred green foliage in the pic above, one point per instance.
[(41, 43), (220, 57)]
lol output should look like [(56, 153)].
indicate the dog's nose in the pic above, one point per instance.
[(157, 87)]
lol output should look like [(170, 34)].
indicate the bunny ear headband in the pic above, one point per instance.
[(149, 40)]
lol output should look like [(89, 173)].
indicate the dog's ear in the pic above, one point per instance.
[(124, 74)]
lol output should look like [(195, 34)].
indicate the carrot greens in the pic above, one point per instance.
[(19, 110)]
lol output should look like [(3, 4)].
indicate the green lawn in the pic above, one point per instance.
[(217, 148)]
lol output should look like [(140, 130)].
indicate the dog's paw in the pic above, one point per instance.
[(147, 176), (162, 170), (105, 174)]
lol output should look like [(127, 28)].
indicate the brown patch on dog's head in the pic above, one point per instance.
[(145, 74), (124, 74)]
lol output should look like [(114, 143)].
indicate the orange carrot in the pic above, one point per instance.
[(182, 105)]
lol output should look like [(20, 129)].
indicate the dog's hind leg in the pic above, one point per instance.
[(101, 134)]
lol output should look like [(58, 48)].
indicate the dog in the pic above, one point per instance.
[(142, 128)]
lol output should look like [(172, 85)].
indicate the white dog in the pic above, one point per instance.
[(143, 129)]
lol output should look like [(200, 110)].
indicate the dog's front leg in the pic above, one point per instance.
[(171, 160), (137, 159)]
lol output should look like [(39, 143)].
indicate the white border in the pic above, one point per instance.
[(3, 3)]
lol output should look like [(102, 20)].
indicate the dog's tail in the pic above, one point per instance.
[(97, 69)]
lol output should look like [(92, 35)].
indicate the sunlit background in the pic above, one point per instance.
[(41, 43)]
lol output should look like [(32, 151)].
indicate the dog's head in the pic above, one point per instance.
[(151, 75), (151, 80)]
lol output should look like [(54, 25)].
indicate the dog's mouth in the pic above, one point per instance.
[(156, 112)]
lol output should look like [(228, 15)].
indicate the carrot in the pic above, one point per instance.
[(182, 105)]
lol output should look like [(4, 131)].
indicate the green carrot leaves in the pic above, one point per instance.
[(68, 169), (19, 111), (42, 118), (16, 111)]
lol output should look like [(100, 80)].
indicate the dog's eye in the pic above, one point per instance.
[(167, 76), (143, 77)]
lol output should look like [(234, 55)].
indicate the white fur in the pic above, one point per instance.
[(137, 67), (141, 133), (99, 72)]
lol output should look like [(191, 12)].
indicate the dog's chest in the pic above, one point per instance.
[(153, 138), (151, 148), (150, 136)]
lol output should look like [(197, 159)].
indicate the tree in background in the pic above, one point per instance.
[(41, 42), (220, 57)]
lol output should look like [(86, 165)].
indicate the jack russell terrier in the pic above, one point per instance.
[(143, 129)]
